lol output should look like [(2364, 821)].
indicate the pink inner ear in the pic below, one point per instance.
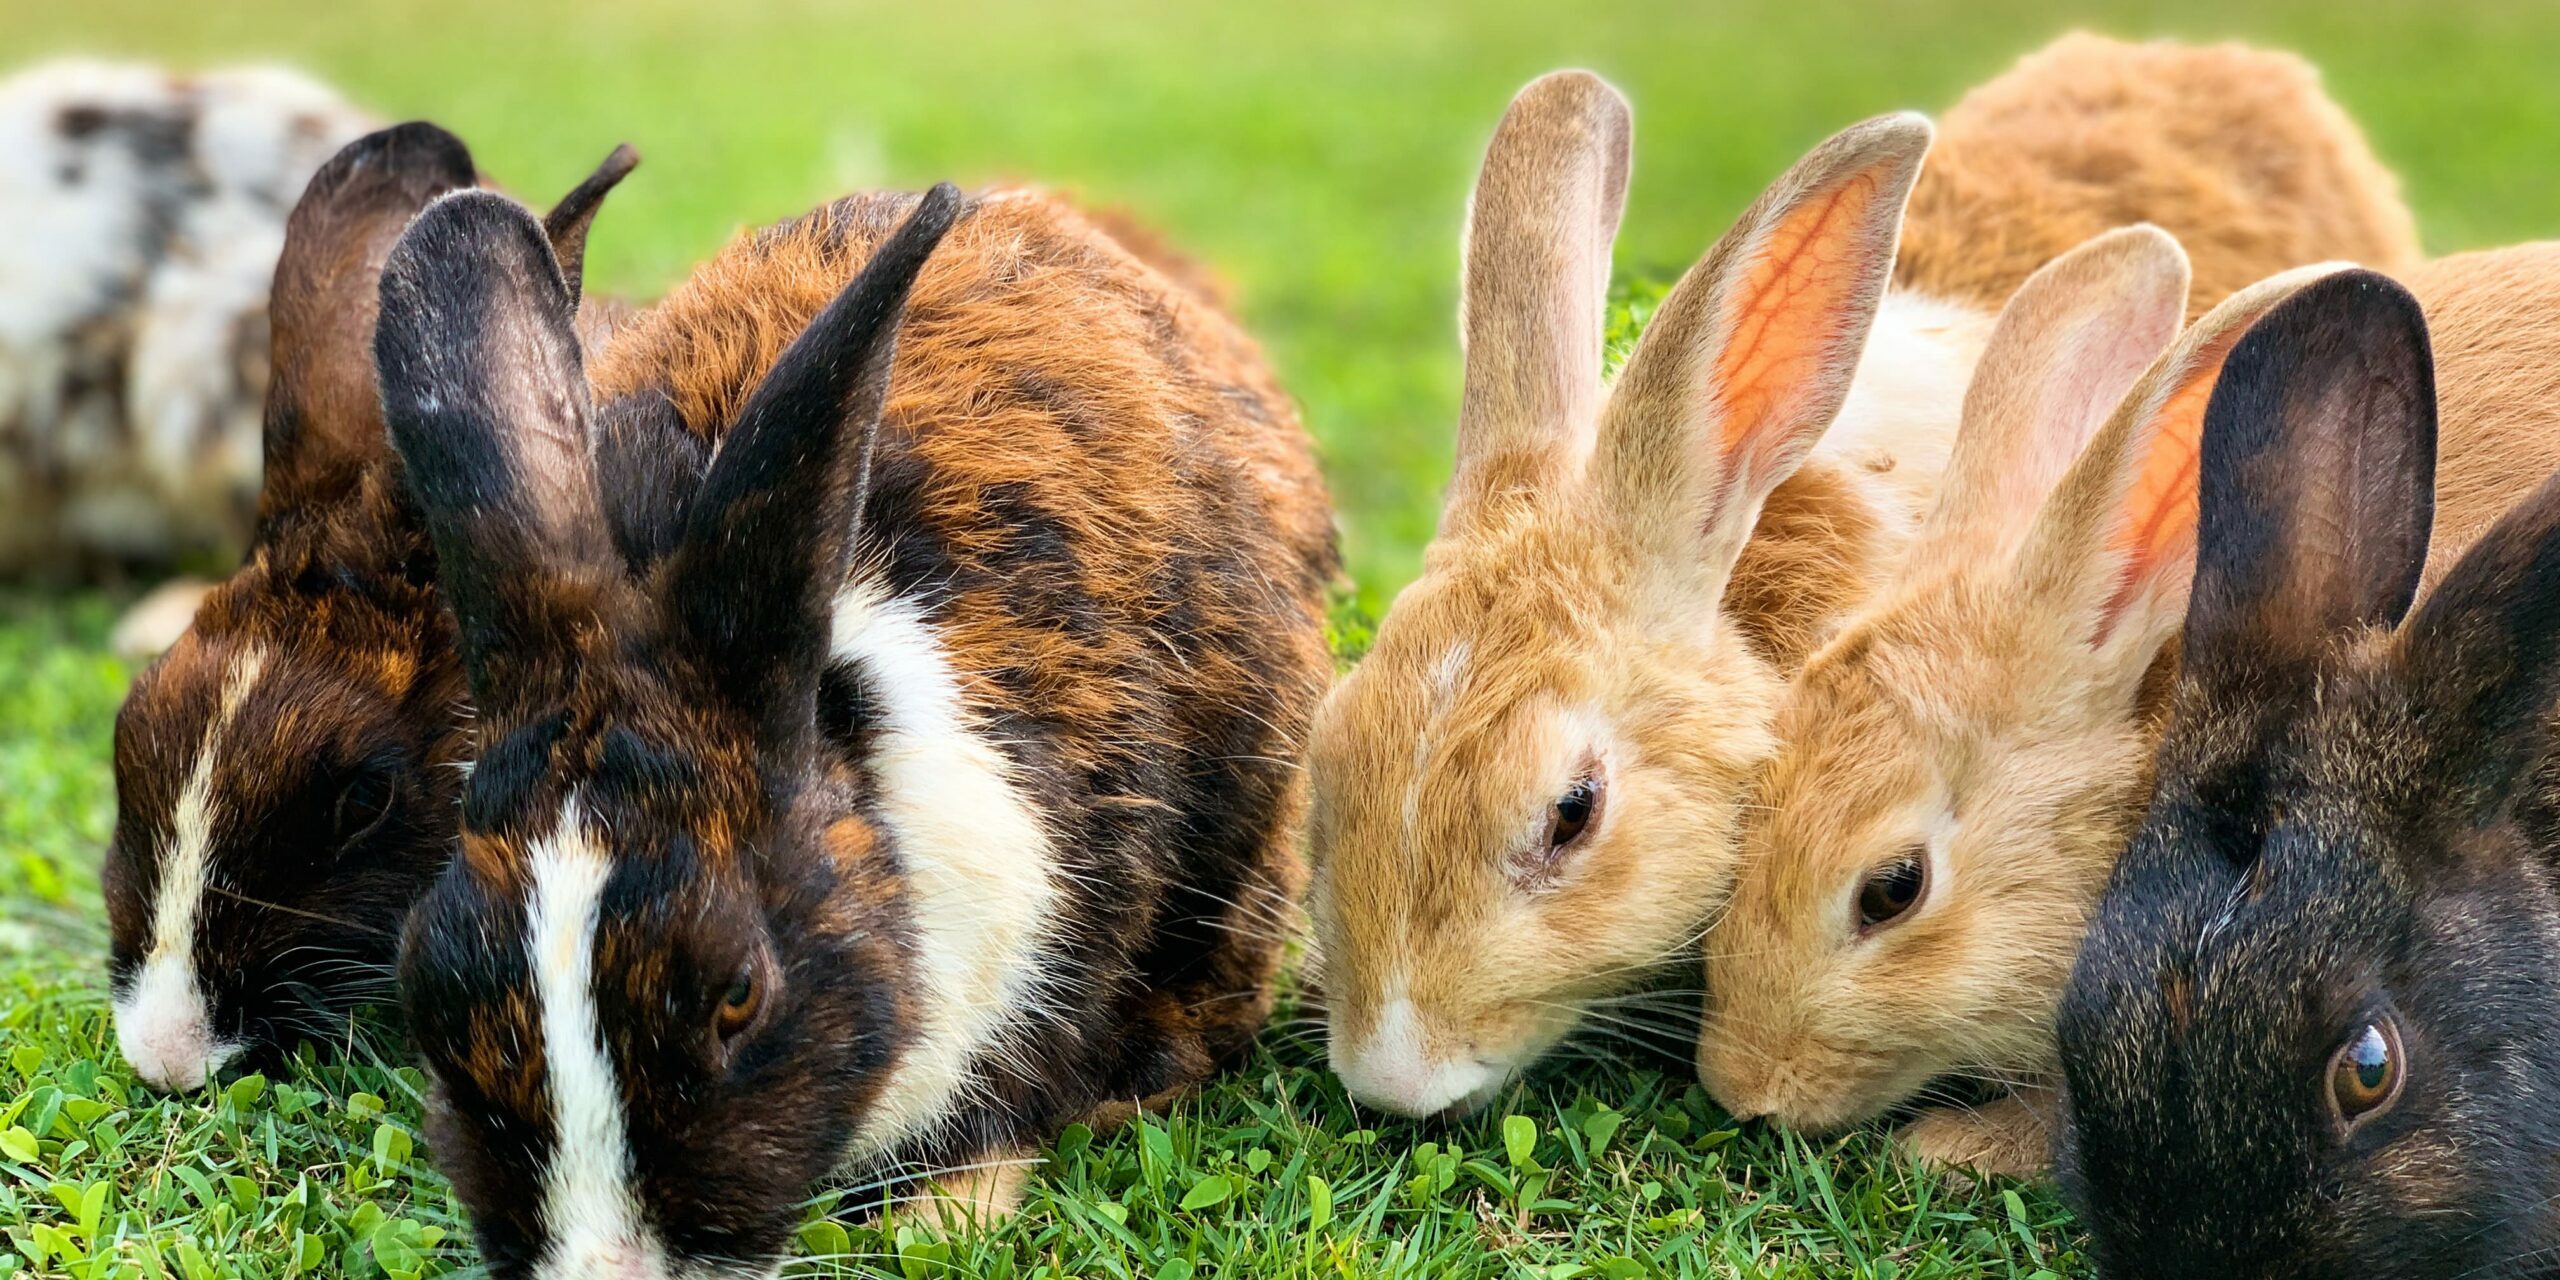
[(2156, 533)]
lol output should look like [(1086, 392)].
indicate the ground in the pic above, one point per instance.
[(1317, 154)]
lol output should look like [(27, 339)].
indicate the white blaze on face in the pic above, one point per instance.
[(1396, 1067), (163, 1022), (591, 1221), (977, 861)]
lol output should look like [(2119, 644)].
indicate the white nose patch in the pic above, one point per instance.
[(1393, 1069), (162, 1024), (165, 1031)]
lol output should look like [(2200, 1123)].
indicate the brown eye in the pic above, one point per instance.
[(1892, 889), (2365, 1074), (738, 1004), (1573, 814)]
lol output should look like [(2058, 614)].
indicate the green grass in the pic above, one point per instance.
[(1317, 154)]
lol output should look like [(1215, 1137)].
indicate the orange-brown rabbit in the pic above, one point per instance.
[(1958, 769), (1529, 796)]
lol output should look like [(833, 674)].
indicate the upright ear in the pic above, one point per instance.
[(1747, 361), (2483, 651), (487, 400), (2064, 352), (2114, 545), (568, 221), (770, 536), (2318, 481), (1539, 228), (324, 414)]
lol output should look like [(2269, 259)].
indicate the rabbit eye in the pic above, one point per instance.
[(363, 806), (1892, 890), (2365, 1074), (1573, 815), (738, 1004), (1569, 822)]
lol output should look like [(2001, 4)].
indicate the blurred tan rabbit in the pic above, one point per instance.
[(140, 218), (1529, 797), (1958, 769)]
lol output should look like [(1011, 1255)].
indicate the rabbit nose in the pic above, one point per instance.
[(165, 1030), (605, 1260), (1393, 1070)]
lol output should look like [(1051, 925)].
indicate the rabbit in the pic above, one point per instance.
[(1958, 767), (1528, 796), (932, 790), (140, 216), (286, 774), (2311, 1032)]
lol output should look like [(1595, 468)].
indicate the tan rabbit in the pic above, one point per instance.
[(1958, 769), (1529, 796)]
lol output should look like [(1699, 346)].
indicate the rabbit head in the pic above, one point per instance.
[(2311, 1033), (1957, 767), (1526, 795)]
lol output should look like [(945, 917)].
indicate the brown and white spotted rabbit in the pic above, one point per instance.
[(286, 774), (140, 216), (933, 789)]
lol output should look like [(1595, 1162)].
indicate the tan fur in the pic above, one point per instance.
[(1981, 702), (1591, 604), (2236, 151)]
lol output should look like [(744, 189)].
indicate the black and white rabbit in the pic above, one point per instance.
[(2313, 1032), (932, 790)]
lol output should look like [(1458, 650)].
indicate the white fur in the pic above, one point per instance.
[(1904, 403), (982, 881), (163, 1024), (593, 1223), (1393, 1067), (165, 260)]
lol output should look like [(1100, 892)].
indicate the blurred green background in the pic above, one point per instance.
[(1316, 151), (1317, 154)]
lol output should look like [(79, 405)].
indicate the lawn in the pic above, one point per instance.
[(1318, 155)]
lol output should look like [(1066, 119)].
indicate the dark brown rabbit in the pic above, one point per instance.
[(931, 790), (286, 775), (2313, 1032)]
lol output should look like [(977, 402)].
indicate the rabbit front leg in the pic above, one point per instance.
[(2010, 1137)]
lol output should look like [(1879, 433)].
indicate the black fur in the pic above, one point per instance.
[(2339, 836)]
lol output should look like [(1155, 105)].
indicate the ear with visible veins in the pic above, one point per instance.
[(770, 534), (487, 401), (2483, 654), (2115, 543), (2066, 349), (1536, 280), (2317, 485), (1747, 361), (324, 414)]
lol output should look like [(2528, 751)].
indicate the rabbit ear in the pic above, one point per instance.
[(1747, 361), (487, 402), (770, 535), (568, 221), (2317, 484), (1539, 228), (2064, 352), (324, 414), (2115, 542), (2483, 652)]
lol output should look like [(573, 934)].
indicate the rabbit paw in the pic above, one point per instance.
[(981, 1194), (2008, 1138)]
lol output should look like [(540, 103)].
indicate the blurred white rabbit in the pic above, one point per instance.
[(140, 216)]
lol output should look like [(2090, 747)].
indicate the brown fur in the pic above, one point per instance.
[(1967, 689), (2236, 151), (1557, 627)]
